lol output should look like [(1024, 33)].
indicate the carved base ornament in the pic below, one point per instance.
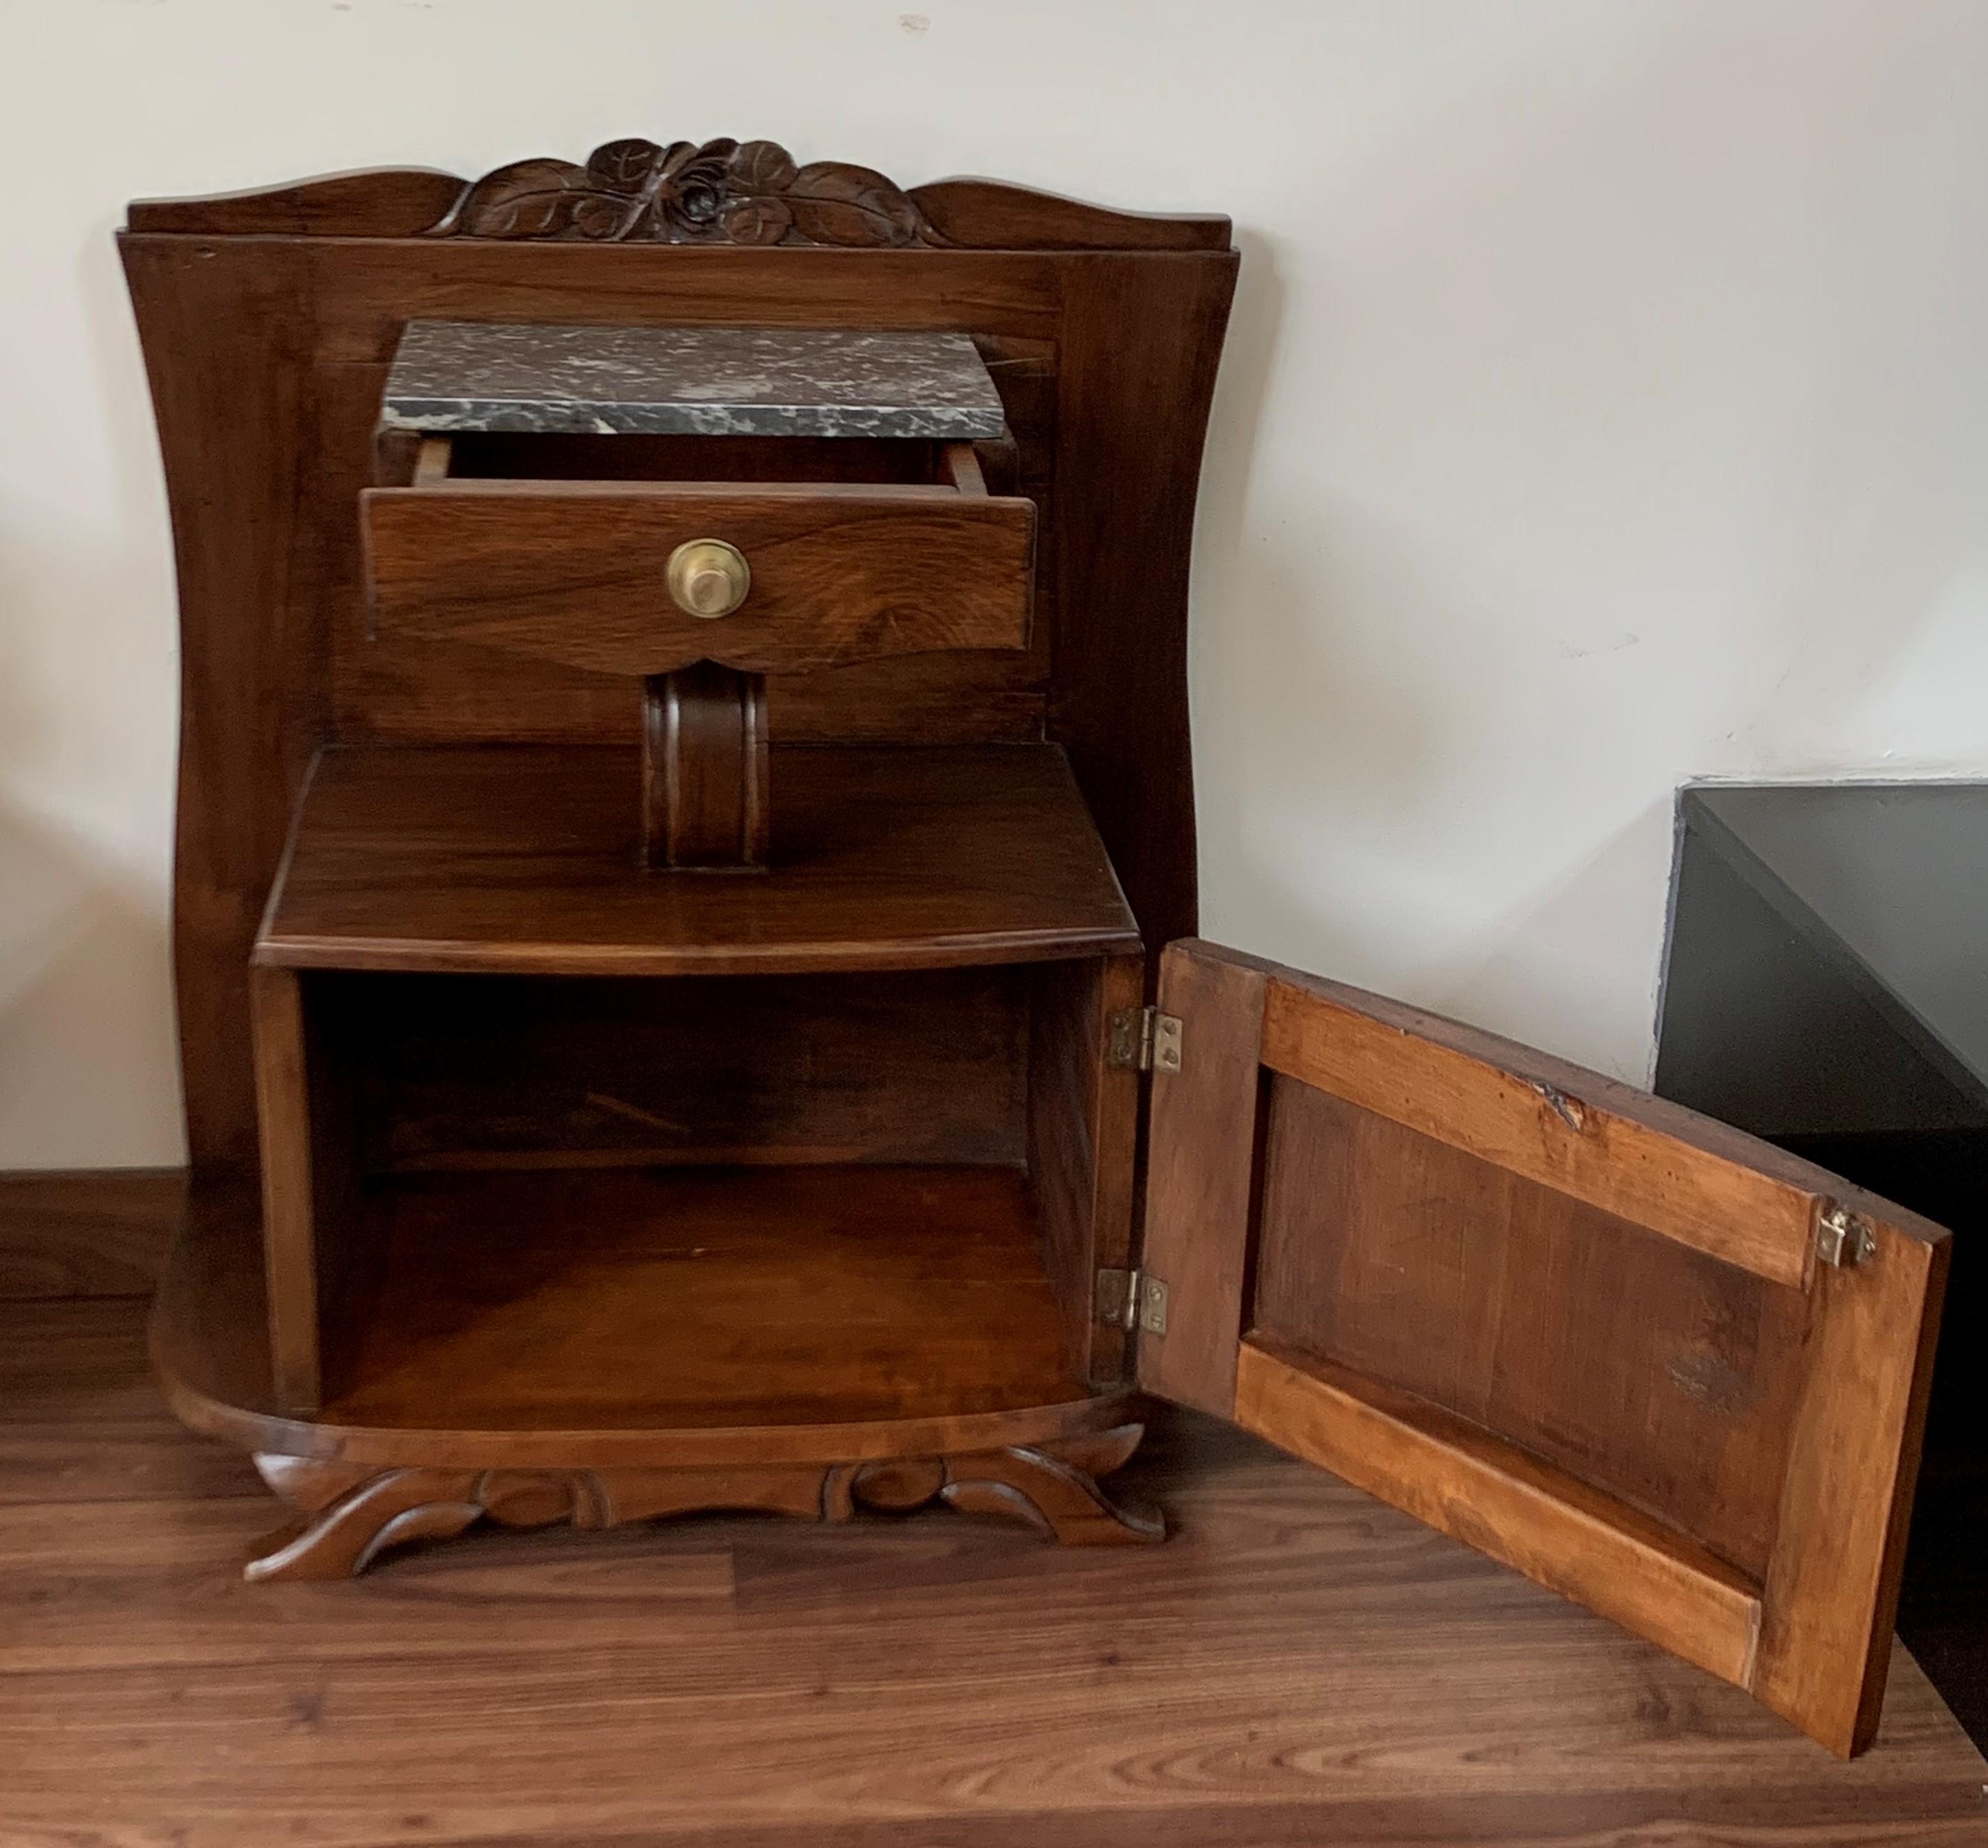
[(354, 1512)]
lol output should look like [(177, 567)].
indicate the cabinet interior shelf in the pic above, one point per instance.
[(704, 1297), (526, 860), (664, 1316)]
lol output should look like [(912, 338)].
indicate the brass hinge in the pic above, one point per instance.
[(1146, 1040), (1130, 1299), (1843, 1238)]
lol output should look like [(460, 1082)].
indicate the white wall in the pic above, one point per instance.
[(1604, 405)]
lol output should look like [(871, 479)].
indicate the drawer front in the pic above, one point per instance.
[(576, 573)]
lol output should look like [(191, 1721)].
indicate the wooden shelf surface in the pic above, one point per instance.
[(631, 1315), (526, 858), (708, 1296)]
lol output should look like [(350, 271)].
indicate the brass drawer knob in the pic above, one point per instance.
[(708, 577)]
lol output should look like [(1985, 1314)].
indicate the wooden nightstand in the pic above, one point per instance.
[(684, 900)]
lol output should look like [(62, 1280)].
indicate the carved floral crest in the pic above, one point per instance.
[(723, 192)]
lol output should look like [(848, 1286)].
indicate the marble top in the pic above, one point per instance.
[(690, 381)]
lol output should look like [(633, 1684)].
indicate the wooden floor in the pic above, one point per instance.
[(1298, 1665)]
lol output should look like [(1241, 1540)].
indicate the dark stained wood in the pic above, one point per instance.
[(511, 1071), (1201, 1164), (721, 191), (268, 354), (379, 202), (573, 572), (290, 1189), (1286, 1668), (232, 409), (990, 215), (352, 1514), (1137, 379), (86, 1232), (405, 686), (707, 799), (1083, 1129), (603, 201), (677, 1318), (527, 861), (319, 1263), (774, 1296), (1559, 1384)]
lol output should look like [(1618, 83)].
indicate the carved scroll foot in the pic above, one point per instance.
[(1052, 1487), (351, 1513)]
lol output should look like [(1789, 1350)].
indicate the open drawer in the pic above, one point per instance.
[(768, 552)]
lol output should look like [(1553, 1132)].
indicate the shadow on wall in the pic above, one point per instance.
[(88, 1063), (1574, 998)]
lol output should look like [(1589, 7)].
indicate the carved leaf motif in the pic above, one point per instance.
[(834, 204), (762, 167), (721, 190), (538, 199), (758, 220), (624, 166)]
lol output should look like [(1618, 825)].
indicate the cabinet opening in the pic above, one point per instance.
[(507, 455), (698, 1202)]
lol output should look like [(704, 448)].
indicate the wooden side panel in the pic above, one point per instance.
[(1202, 1171), (289, 1189), (1558, 1320), (1082, 1135), (574, 572), (226, 337), (1142, 339)]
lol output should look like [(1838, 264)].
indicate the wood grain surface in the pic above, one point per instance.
[(268, 322), (616, 1318), (573, 572), (529, 861), (706, 769), (1537, 1308), (1654, 1373), (88, 1232), (1655, 1173), (1298, 1664)]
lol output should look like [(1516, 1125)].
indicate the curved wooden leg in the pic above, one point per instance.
[(1051, 1487), (353, 1513), (340, 1537)]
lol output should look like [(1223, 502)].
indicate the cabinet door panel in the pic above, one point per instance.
[(1583, 1330)]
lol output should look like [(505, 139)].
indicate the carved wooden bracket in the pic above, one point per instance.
[(354, 1512), (723, 192)]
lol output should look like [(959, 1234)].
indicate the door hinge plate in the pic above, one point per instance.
[(1130, 1299), (1146, 1040), (1843, 1238)]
